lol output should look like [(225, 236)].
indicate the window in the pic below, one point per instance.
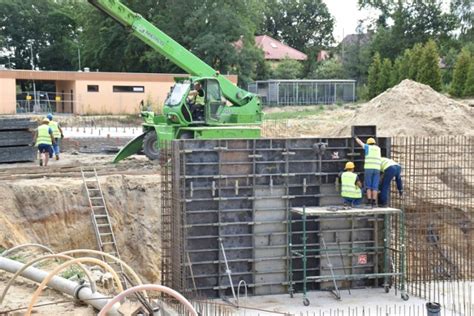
[(138, 89), (92, 88), (177, 94)]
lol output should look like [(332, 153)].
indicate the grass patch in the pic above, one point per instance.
[(72, 271), (293, 114)]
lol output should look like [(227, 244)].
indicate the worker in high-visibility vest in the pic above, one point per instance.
[(197, 99), (390, 170), (57, 133), (351, 191), (372, 163), (44, 141)]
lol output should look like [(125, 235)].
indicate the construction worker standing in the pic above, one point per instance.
[(44, 141), (371, 169), (391, 170), (350, 186), (57, 133)]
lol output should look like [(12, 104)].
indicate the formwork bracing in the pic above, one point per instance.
[(438, 173), (230, 204)]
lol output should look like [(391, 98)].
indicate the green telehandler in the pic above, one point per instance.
[(206, 105)]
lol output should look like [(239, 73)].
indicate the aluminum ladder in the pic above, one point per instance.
[(100, 215)]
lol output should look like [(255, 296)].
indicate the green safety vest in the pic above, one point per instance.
[(55, 129), (199, 100), (43, 135), (387, 163), (349, 189), (373, 158)]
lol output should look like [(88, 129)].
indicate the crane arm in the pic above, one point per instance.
[(169, 48)]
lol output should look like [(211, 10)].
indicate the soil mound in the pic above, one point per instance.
[(413, 109)]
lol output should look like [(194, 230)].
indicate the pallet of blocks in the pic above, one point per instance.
[(16, 138)]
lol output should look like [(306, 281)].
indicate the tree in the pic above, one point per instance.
[(384, 79), (374, 75), (301, 24), (395, 76), (288, 69), (415, 56), (460, 73), (469, 86), (404, 70), (39, 33), (430, 72), (328, 69), (356, 54), (464, 11)]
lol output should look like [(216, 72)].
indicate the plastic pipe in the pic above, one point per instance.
[(9, 251), (148, 287), (65, 265), (32, 262), (70, 288)]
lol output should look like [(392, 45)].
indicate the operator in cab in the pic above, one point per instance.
[(196, 99)]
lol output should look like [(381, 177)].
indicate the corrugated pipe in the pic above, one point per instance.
[(78, 291)]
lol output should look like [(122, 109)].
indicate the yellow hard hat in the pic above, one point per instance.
[(370, 141), (45, 120), (349, 165)]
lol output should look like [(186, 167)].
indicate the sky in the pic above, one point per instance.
[(346, 14)]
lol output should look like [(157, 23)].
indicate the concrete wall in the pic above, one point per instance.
[(106, 101), (7, 96)]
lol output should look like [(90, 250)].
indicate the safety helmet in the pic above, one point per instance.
[(349, 165), (45, 120), (49, 116), (370, 141)]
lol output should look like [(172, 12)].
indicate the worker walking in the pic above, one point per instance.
[(57, 133), (391, 170), (44, 141), (371, 169), (351, 191)]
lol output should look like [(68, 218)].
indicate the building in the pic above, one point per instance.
[(275, 51), (83, 92)]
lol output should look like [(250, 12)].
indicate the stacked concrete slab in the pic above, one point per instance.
[(231, 201), (16, 137)]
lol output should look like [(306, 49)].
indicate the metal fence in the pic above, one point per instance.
[(44, 102), (304, 92), (438, 174)]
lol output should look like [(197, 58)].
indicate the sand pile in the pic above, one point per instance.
[(413, 109)]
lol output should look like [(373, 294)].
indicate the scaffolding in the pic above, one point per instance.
[(304, 92)]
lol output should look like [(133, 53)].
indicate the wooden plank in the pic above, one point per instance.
[(17, 124), (15, 138), (17, 154), (329, 211)]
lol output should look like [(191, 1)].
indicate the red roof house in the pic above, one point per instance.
[(275, 50)]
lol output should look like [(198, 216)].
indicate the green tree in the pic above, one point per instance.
[(356, 55), (328, 69), (301, 24), (415, 57), (464, 11), (288, 69), (458, 85), (404, 70), (39, 33), (374, 75), (384, 79), (430, 72), (469, 86), (395, 76)]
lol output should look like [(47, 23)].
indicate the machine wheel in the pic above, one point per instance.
[(405, 297), (150, 146), (305, 301), (186, 135)]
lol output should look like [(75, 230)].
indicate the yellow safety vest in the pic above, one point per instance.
[(55, 129), (199, 100), (373, 158), (387, 163), (43, 135), (348, 187)]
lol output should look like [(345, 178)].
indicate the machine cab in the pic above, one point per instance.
[(194, 102)]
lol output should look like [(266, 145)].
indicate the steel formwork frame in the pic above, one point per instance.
[(385, 244), (240, 192)]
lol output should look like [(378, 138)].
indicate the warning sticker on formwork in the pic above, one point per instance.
[(362, 259)]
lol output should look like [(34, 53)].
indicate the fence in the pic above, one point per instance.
[(44, 102), (304, 92)]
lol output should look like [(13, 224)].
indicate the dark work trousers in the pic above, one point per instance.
[(390, 173)]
